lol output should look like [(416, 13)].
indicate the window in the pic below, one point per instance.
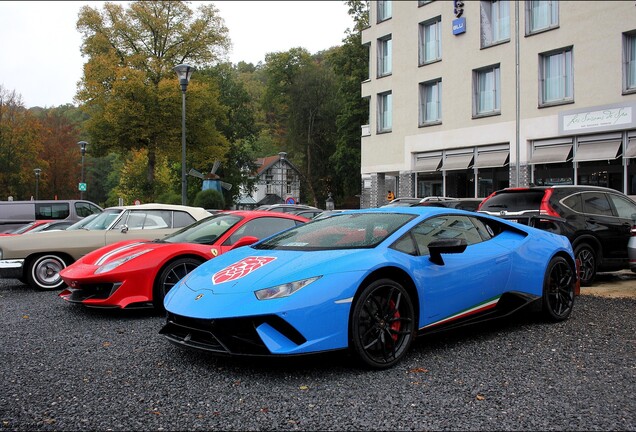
[(556, 80), (430, 45), (385, 112), (487, 89), (629, 62), (269, 188), (384, 10), (260, 228), (431, 102), (541, 15), (182, 219), (384, 56), (446, 227), (495, 22)]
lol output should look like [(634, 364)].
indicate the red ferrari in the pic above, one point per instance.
[(139, 273)]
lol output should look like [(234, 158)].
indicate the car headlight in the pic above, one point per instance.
[(114, 264), (283, 290)]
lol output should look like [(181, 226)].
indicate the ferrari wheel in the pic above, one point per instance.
[(43, 272), (169, 276), (382, 324), (558, 290), (587, 256)]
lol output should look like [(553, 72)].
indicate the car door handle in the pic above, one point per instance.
[(502, 259)]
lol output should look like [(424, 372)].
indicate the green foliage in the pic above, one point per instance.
[(130, 92), (209, 199)]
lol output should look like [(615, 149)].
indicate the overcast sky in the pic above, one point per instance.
[(40, 50)]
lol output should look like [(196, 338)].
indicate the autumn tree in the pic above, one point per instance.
[(130, 91), (20, 148)]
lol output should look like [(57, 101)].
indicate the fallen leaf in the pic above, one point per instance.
[(480, 397), (304, 387), (418, 370)]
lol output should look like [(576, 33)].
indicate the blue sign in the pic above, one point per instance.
[(459, 26), (290, 200)]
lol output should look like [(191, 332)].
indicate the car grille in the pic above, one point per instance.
[(93, 291), (226, 336)]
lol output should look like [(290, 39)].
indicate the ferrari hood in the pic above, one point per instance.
[(247, 269)]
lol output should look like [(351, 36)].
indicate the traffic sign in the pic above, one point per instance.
[(82, 187)]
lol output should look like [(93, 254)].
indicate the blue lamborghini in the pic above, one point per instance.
[(370, 281)]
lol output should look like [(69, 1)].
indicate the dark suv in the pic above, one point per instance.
[(598, 221)]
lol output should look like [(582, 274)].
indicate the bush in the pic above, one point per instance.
[(169, 198), (209, 199)]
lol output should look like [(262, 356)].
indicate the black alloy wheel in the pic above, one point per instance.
[(587, 257), (172, 273), (382, 324), (558, 289)]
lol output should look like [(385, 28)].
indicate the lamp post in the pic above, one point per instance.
[(184, 72), (82, 145), (37, 172)]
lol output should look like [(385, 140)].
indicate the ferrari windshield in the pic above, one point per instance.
[(341, 231), (204, 231)]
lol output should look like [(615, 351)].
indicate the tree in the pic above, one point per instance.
[(130, 92), (351, 66), (20, 148), (241, 131)]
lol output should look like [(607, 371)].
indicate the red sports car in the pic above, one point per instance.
[(139, 273)]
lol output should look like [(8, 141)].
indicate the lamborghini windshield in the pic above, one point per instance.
[(341, 231)]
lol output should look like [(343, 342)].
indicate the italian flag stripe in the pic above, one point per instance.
[(488, 304)]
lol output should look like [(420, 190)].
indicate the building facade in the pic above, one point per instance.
[(470, 97), (277, 182)]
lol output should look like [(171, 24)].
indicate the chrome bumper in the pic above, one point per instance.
[(11, 268)]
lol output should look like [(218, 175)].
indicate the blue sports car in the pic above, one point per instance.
[(370, 281)]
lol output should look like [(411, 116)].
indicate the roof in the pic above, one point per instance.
[(265, 163)]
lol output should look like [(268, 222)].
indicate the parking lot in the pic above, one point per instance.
[(64, 367)]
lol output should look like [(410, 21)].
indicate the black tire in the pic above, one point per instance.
[(588, 258), (43, 272), (169, 276), (559, 285), (382, 324)]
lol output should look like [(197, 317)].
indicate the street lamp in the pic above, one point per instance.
[(37, 172), (184, 72), (82, 145)]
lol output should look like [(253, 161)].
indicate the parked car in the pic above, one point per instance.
[(53, 226), (38, 262), (631, 248), (369, 281), (285, 208), (598, 221), (413, 201), (468, 204), (308, 213), (26, 227), (14, 214), (139, 273)]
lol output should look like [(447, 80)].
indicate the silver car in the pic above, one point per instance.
[(38, 259)]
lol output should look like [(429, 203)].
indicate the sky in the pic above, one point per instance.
[(40, 51)]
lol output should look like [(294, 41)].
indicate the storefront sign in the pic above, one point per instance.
[(597, 119)]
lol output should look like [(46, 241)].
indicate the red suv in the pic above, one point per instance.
[(598, 221)]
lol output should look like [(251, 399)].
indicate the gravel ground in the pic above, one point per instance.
[(65, 367)]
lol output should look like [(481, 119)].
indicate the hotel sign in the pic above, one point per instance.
[(597, 119)]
